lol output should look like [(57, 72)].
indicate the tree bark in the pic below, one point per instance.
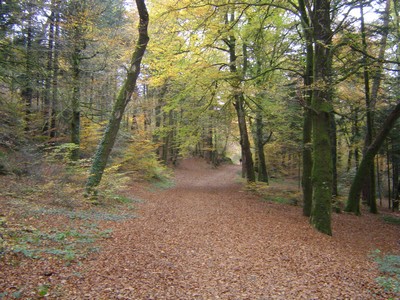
[(54, 90), (353, 202), (27, 90), (49, 73), (247, 158), (244, 138), (333, 135), (78, 45), (322, 107), (260, 142), (75, 103), (307, 115), (107, 142)]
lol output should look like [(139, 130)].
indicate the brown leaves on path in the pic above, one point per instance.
[(208, 239)]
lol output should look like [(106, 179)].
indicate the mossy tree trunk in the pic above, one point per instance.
[(307, 117), (353, 201), (321, 122), (107, 142)]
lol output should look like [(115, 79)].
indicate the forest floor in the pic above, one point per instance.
[(206, 237)]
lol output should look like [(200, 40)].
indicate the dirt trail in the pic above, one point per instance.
[(207, 239)]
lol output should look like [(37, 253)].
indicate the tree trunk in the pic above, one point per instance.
[(322, 107), (123, 98), (353, 202), (75, 103), (378, 180), (247, 158), (396, 162), (369, 189), (49, 73), (333, 135), (208, 141), (307, 115), (27, 90), (244, 138), (388, 175), (159, 120), (262, 166), (395, 172), (54, 91)]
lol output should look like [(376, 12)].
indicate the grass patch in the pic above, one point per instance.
[(162, 184), (282, 194), (87, 215), (391, 219), (68, 245), (281, 200), (389, 266)]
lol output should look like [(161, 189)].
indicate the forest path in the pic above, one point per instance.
[(208, 239)]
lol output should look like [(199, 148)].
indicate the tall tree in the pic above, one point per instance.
[(107, 142), (307, 119), (239, 102), (55, 74), (28, 80), (322, 107), (369, 183), (353, 201)]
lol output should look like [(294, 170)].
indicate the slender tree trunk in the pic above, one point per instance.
[(54, 96), (388, 175), (378, 180), (75, 103), (395, 172), (396, 201), (377, 75), (48, 77), (123, 98), (369, 190), (307, 115), (353, 202), (167, 138), (27, 90), (355, 132), (244, 138), (349, 157), (159, 120), (322, 107), (396, 169), (262, 165), (247, 157), (172, 150), (333, 135), (208, 140), (243, 162)]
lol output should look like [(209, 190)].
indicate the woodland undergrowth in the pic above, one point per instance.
[(44, 183)]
